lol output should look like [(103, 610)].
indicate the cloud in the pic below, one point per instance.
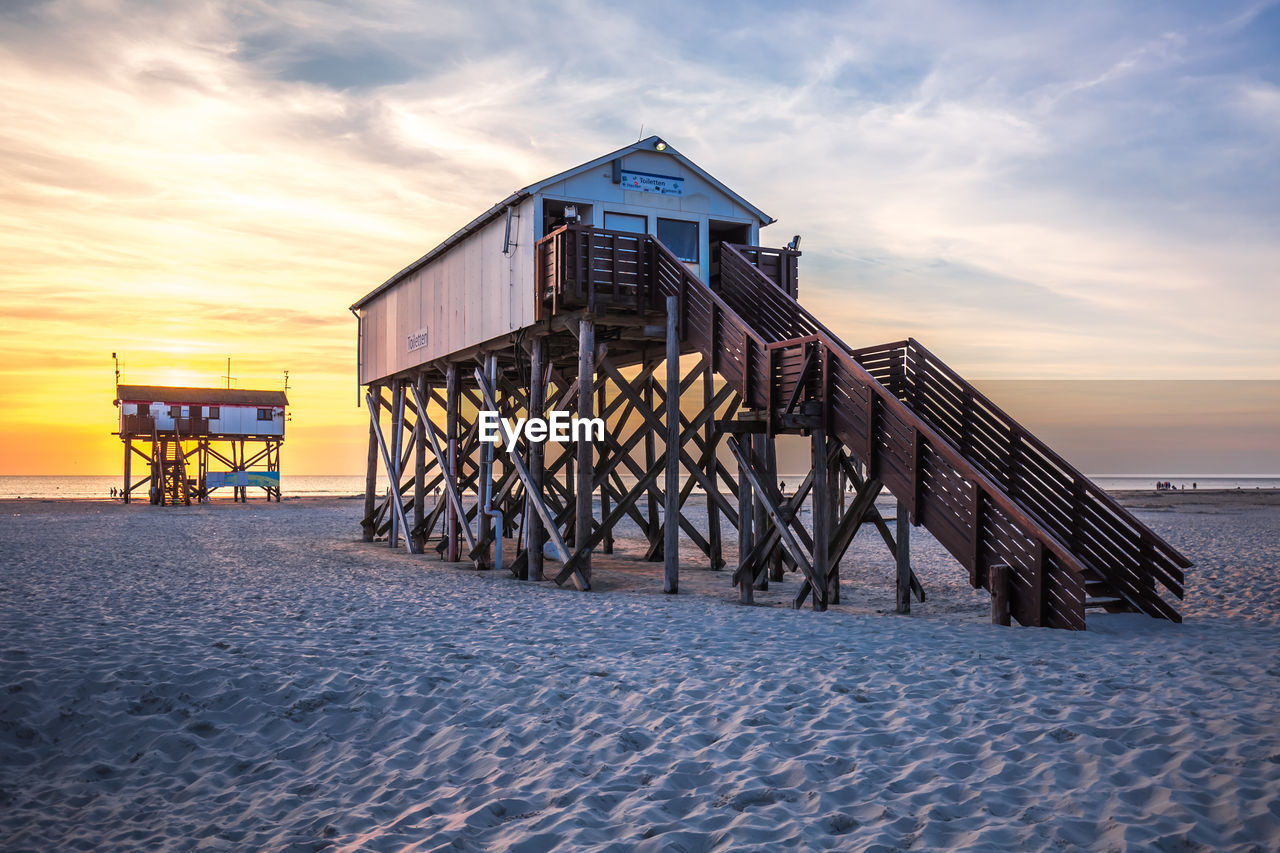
[(1039, 190)]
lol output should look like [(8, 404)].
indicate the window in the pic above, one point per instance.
[(264, 415), (175, 412), (215, 412), (627, 222), (680, 237)]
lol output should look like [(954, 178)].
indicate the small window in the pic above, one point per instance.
[(627, 222), (175, 412), (265, 415), (215, 412), (680, 237)]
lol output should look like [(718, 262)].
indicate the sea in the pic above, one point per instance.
[(339, 485)]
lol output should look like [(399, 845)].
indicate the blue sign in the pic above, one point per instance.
[(643, 182), (219, 479)]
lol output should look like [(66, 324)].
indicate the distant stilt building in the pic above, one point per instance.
[(195, 440)]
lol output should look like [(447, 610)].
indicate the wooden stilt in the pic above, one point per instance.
[(713, 508), (654, 551), (484, 486), (394, 475), (586, 451), (759, 448), (833, 498), (820, 503), (607, 542), (420, 469), (998, 578), (371, 473), (746, 536), (770, 456), (537, 407), (671, 504), (128, 455), (902, 535), (452, 518)]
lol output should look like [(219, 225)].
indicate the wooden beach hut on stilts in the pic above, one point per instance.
[(633, 289), (192, 441)]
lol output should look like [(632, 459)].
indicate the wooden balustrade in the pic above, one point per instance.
[(988, 490)]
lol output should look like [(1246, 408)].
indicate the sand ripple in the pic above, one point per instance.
[(249, 678)]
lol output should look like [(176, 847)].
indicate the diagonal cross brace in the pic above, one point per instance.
[(450, 488), (534, 498), (784, 532), (386, 464)]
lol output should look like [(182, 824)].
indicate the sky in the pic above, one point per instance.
[(1035, 191)]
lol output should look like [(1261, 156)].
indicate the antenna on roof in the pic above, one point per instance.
[(286, 382), (641, 136), (228, 377), (117, 361)]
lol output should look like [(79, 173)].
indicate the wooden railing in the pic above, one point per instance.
[(137, 425), (777, 265), (584, 267), (1121, 556), (987, 490), (1081, 513), (191, 426), (145, 425)]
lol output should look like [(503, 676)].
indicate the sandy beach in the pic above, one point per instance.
[(233, 677)]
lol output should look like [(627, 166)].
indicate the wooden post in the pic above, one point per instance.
[(452, 519), (586, 452), (537, 405), (420, 469), (998, 578), (902, 536), (713, 508), (371, 472), (832, 499), (604, 490), (746, 538), (650, 457), (484, 484), (128, 452), (769, 454), (758, 442), (842, 480), (397, 437), (671, 497), (819, 500)]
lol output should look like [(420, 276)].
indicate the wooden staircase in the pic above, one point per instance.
[(170, 470), (990, 492)]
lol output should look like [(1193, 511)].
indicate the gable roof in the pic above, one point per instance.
[(521, 194), (206, 396)]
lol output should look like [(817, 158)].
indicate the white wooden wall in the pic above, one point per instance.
[(233, 420), (473, 293)]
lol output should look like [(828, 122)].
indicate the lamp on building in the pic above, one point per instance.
[(659, 146)]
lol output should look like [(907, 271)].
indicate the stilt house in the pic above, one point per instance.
[(186, 435), (585, 291)]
